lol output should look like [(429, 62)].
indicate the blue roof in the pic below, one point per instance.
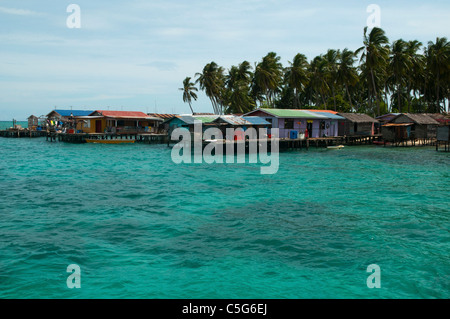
[(331, 116), (73, 112), (186, 119), (256, 120)]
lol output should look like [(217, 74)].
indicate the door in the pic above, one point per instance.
[(309, 128), (98, 126)]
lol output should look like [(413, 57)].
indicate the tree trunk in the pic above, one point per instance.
[(375, 92), (349, 97), (334, 97), (438, 107)]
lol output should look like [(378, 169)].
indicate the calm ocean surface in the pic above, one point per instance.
[(140, 226), (4, 125)]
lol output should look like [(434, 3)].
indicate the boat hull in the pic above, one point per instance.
[(338, 147)]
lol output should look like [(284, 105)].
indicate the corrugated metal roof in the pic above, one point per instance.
[(186, 119), (322, 111), (126, 115), (331, 116), (242, 120), (232, 120), (189, 120), (67, 113), (293, 113), (256, 120), (206, 118), (163, 116)]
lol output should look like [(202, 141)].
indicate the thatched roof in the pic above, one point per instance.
[(440, 117), (421, 119), (358, 117)]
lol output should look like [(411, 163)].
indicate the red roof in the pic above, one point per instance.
[(122, 114), (324, 111), (163, 116)]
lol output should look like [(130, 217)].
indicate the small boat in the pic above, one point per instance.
[(337, 147), (109, 141)]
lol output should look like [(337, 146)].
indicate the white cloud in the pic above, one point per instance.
[(126, 51), (20, 12)]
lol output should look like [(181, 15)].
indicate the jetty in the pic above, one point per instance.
[(297, 128), (17, 133), (293, 144), (106, 138), (443, 138), (288, 143)]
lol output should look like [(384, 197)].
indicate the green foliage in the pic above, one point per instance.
[(388, 78)]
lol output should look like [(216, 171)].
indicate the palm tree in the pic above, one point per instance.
[(346, 73), (415, 77), (438, 61), (399, 66), (237, 81), (331, 58), (244, 73), (189, 92), (296, 75), (318, 79), (374, 56), (268, 75), (211, 80)]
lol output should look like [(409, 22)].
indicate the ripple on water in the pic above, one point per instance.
[(141, 226)]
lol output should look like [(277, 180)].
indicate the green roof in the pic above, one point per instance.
[(292, 113), (206, 119)]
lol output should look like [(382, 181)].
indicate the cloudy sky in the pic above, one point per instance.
[(134, 55)]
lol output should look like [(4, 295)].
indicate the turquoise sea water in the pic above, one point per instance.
[(4, 125), (140, 226)]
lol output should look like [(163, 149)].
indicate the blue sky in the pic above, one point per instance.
[(134, 55)]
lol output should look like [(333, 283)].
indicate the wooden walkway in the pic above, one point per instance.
[(443, 146), (22, 133), (411, 142), (327, 141), (80, 138), (294, 144)]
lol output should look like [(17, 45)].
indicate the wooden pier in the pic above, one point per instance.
[(443, 138), (296, 144), (323, 142), (443, 146), (411, 142), (14, 133), (80, 138)]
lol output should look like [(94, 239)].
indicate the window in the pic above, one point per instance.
[(289, 124)]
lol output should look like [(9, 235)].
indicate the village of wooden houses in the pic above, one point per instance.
[(297, 128)]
